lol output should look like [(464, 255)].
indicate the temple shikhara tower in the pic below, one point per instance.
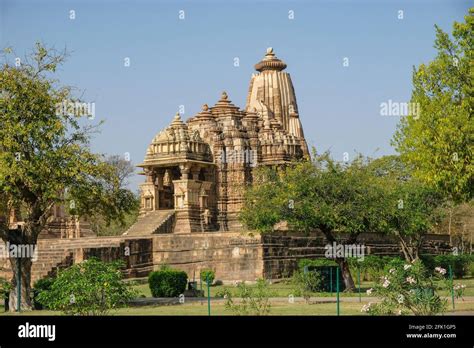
[(196, 171)]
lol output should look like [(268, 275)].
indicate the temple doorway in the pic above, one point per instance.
[(166, 199)]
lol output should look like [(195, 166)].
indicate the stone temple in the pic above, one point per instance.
[(195, 171)]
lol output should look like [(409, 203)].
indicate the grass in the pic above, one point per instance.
[(277, 290), (284, 290), (346, 308), (280, 307), (218, 309)]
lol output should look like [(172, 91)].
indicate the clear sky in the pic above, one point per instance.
[(190, 61)]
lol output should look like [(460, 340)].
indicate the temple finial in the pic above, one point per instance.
[(270, 62)]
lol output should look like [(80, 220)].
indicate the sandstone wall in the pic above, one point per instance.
[(281, 252), (136, 253), (233, 256)]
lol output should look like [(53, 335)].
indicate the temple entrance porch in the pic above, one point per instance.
[(185, 187)]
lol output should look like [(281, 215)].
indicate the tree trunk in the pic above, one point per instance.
[(410, 252), (342, 262), (346, 274), (25, 268), (410, 248)]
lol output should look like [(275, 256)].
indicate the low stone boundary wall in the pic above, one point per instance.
[(281, 252), (234, 256)]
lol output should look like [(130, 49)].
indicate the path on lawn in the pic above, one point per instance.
[(147, 301)]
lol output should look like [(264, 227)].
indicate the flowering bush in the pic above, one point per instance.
[(459, 290), (409, 289)]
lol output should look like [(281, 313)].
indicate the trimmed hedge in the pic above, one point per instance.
[(167, 283)]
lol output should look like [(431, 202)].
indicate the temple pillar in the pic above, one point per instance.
[(195, 170), (158, 181), (160, 173), (190, 202), (149, 193), (185, 169)]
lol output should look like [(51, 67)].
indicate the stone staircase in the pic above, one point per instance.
[(49, 262), (56, 254), (159, 221)]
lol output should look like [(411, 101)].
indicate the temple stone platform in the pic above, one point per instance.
[(235, 256)]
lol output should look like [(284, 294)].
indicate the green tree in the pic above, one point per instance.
[(437, 143), (101, 224), (341, 200), (412, 208), (45, 158)]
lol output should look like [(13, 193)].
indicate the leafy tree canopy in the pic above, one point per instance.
[(438, 143), (45, 157)]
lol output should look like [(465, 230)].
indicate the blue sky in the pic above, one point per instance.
[(190, 62)]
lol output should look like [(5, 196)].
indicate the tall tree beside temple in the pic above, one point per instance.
[(45, 159), (412, 208), (342, 200), (438, 142)]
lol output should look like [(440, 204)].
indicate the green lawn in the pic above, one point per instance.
[(284, 290), (277, 290), (279, 307), (218, 309), (346, 308)]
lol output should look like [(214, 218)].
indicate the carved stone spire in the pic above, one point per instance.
[(271, 92), (223, 104)]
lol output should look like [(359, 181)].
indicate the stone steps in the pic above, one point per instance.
[(149, 223), (55, 254)]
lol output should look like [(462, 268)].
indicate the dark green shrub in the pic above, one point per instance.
[(471, 266), (40, 286), (5, 287), (208, 274), (393, 262), (372, 266), (459, 263), (429, 262), (167, 283)]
